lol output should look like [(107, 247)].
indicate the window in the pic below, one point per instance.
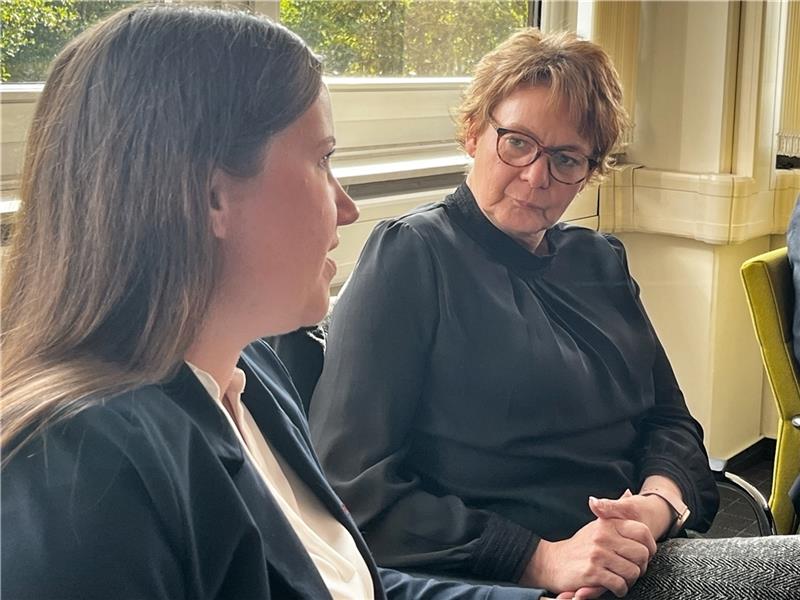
[(395, 69), (403, 38), (396, 38), (34, 31)]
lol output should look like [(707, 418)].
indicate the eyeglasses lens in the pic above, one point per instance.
[(519, 151)]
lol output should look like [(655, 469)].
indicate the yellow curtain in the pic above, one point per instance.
[(789, 131), (615, 26)]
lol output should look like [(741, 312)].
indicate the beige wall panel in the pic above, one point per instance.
[(704, 122), (680, 111), (16, 118), (16, 113), (12, 155), (736, 372), (752, 215), (682, 204), (694, 297), (382, 116), (583, 206)]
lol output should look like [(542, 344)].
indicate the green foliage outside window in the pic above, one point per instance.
[(32, 32), (357, 38), (403, 37)]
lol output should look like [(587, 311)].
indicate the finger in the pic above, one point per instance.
[(626, 493), (598, 508), (634, 552), (636, 531), (612, 582), (589, 593), (565, 596), (625, 538), (629, 570), (604, 508)]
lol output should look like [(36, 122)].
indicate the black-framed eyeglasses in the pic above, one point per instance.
[(518, 149)]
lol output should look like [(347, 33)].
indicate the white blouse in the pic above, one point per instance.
[(329, 544)]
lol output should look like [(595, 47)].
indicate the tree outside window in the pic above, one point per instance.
[(390, 38), (34, 31), (403, 38)]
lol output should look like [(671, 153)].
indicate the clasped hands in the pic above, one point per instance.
[(609, 553)]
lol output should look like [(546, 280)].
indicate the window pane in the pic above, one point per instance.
[(358, 38), (394, 38), (34, 31)]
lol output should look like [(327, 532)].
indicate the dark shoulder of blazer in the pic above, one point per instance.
[(146, 494), (149, 495)]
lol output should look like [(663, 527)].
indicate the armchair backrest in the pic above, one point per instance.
[(770, 294)]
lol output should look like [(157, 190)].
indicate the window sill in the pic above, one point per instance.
[(408, 163)]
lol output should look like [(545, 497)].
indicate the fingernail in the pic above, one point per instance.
[(597, 502)]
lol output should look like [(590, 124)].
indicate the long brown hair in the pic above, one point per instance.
[(112, 261)]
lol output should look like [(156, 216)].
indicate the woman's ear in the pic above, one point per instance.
[(220, 209), (471, 141)]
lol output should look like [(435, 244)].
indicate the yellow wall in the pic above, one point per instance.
[(705, 198)]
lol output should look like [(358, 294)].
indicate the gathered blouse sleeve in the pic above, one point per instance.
[(363, 409), (671, 439)]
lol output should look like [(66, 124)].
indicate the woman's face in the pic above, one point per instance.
[(523, 201), (277, 228)]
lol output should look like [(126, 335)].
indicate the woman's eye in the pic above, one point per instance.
[(566, 160), (517, 143), (326, 160)]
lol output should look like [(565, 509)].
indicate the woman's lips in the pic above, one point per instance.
[(331, 265), (525, 204)]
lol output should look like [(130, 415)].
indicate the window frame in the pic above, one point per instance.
[(413, 115)]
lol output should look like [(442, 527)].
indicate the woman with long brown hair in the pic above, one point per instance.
[(177, 204)]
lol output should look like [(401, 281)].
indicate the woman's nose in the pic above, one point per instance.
[(537, 174), (346, 209)]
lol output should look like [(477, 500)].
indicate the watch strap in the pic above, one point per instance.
[(680, 511)]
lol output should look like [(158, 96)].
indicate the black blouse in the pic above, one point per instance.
[(474, 394)]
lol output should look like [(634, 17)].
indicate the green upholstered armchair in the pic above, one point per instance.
[(770, 293)]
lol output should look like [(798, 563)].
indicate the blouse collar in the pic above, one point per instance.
[(461, 205)]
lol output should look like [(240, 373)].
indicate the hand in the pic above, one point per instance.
[(583, 593), (628, 509), (653, 511), (606, 554)]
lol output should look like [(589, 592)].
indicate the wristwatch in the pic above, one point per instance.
[(680, 511)]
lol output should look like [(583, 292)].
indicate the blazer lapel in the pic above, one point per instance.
[(282, 548), (269, 397), (273, 409), (186, 391)]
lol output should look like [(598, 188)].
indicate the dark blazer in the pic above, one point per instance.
[(149, 495)]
